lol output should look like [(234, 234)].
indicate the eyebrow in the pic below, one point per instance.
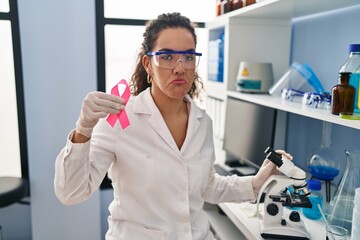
[(169, 50)]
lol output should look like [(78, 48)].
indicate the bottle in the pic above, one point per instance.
[(343, 96), (236, 4), (315, 198), (352, 65), (218, 8), (225, 6)]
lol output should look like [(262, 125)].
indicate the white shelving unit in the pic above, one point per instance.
[(262, 33)]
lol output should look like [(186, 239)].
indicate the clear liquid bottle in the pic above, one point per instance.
[(352, 65), (315, 198)]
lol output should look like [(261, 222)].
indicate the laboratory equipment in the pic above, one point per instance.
[(315, 198), (254, 77), (352, 65), (343, 96), (275, 223), (355, 230), (340, 209), (322, 163), (299, 77), (334, 232)]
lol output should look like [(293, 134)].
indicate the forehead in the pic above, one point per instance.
[(174, 39)]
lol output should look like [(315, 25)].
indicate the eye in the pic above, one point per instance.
[(167, 57), (189, 57)]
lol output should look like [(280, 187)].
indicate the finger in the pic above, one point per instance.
[(96, 107), (102, 102), (287, 155), (109, 97)]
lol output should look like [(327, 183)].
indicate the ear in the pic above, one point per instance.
[(146, 63)]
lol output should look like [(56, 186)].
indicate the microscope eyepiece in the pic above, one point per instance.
[(273, 156)]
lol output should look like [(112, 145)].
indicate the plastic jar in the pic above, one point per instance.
[(315, 198)]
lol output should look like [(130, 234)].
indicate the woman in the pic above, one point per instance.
[(161, 165)]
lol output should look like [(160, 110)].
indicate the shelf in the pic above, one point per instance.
[(294, 107), (287, 9)]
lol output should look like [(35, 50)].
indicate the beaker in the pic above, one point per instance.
[(340, 209), (322, 163)]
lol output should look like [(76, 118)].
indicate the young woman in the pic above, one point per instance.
[(161, 165)]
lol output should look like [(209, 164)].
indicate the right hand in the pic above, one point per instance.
[(267, 169), (97, 105)]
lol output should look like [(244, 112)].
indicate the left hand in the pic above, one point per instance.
[(266, 170)]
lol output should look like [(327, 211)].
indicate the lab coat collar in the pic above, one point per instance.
[(144, 104)]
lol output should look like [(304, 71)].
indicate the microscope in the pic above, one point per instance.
[(275, 224)]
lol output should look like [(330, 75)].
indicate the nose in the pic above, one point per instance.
[(179, 69)]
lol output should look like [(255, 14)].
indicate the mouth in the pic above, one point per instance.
[(178, 81)]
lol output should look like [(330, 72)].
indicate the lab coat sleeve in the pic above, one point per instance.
[(76, 176), (228, 188)]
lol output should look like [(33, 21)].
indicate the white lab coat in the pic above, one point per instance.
[(159, 190)]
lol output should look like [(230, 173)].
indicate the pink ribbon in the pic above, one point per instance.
[(121, 116)]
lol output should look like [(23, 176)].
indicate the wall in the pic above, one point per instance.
[(322, 41), (59, 65)]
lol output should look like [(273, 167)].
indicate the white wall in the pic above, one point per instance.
[(59, 64)]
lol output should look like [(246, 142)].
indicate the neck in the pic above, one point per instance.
[(169, 106)]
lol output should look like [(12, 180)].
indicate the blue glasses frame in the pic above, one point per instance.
[(172, 52)]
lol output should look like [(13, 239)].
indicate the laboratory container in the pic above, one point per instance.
[(315, 198), (352, 65), (343, 96), (340, 209)]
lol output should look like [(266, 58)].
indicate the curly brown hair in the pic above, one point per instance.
[(153, 28)]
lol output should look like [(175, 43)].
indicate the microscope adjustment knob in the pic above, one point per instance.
[(294, 216), (272, 209)]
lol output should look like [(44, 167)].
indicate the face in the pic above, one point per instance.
[(175, 83)]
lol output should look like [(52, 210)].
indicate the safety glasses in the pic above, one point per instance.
[(170, 59)]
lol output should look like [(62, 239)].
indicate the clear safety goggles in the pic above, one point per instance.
[(170, 59)]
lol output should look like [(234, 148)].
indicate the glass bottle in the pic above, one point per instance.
[(225, 6), (343, 96), (352, 65), (340, 209), (315, 198), (248, 2), (236, 4), (218, 8)]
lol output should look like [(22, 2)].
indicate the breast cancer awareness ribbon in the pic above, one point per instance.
[(121, 116)]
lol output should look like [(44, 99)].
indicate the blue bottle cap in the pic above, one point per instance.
[(354, 48), (314, 184)]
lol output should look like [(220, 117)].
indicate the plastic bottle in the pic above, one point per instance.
[(352, 65), (315, 198), (343, 96)]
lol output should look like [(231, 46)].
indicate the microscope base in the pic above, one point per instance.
[(275, 230)]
